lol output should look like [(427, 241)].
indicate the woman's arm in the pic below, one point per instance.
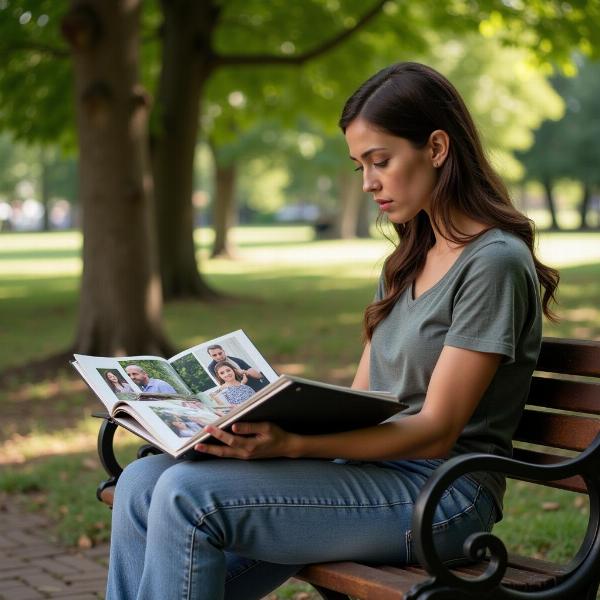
[(457, 384), (361, 379)]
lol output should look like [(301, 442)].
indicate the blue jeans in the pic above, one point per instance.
[(233, 529)]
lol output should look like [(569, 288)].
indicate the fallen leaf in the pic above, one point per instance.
[(84, 542), (550, 506), (91, 464)]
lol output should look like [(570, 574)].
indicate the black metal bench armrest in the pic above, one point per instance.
[(580, 570), (107, 456)]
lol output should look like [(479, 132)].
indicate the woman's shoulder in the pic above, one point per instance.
[(500, 249)]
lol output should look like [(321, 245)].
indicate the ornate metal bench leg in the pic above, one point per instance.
[(107, 456)]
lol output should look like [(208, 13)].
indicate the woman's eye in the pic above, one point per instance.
[(358, 169), (381, 163)]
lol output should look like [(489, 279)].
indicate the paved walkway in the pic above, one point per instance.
[(32, 566)]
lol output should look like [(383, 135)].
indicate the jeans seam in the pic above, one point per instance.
[(200, 517), (466, 510), (440, 525), (190, 558)]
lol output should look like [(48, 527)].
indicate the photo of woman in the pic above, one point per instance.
[(234, 388), (117, 382)]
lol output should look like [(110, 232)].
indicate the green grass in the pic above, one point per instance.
[(301, 301)]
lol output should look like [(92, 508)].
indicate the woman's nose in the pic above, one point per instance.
[(370, 183)]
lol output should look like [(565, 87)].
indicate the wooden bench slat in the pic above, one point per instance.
[(570, 357), (558, 431), (536, 565), (513, 578), (363, 581), (574, 396), (572, 484)]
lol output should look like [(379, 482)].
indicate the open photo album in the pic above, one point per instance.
[(168, 402)]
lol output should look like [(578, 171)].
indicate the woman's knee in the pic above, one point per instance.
[(137, 481)]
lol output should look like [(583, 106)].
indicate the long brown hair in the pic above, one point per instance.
[(411, 100)]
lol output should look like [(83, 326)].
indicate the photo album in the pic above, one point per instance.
[(168, 402)]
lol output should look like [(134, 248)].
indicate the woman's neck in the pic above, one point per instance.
[(462, 223)]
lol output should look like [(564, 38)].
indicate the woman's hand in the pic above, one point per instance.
[(244, 378), (251, 441)]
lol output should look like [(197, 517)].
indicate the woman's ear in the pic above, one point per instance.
[(439, 144)]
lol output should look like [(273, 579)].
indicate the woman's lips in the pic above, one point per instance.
[(383, 204)]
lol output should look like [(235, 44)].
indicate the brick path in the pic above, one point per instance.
[(32, 566)]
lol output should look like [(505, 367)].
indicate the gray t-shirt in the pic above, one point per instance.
[(488, 301)]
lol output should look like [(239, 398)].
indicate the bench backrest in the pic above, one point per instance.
[(563, 409)]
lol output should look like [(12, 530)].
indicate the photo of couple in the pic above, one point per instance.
[(237, 379)]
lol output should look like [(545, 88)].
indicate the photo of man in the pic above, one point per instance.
[(146, 383)]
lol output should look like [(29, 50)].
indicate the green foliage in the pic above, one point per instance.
[(36, 76), (196, 378), (570, 147)]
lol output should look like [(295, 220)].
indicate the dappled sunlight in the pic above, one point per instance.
[(81, 437), (569, 249), (19, 448), (349, 318), (50, 390), (13, 291), (65, 240), (291, 368), (48, 268)]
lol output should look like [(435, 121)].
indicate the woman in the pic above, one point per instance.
[(233, 383), (183, 428), (117, 382), (454, 329)]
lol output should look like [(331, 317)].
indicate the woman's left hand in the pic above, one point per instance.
[(251, 441)]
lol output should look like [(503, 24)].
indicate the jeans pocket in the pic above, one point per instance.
[(462, 517)]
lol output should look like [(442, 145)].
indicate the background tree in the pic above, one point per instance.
[(570, 147), (120, 306)]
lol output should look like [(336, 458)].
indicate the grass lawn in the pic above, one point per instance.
[(301, 301)]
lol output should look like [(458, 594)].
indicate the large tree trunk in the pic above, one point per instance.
[(185, 68), (121, 302), (223, 208), (548, 187), (351, 198), (583, 208)]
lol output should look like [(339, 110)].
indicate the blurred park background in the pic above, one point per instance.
[(171, 171)]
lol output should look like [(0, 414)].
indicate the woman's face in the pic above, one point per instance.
[(226, 374), (112, 377), (400, 176)]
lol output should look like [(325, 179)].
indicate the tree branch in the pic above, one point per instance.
[(35, 47), (276, 59)]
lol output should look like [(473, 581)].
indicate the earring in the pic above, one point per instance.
[(435, 165)]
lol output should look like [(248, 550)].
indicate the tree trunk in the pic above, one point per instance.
[(585, 202), (548, 187), (185, 68), (351, 198), (223, 208), (120, 309)]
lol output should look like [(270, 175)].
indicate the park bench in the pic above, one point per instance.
[(556, 444)]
